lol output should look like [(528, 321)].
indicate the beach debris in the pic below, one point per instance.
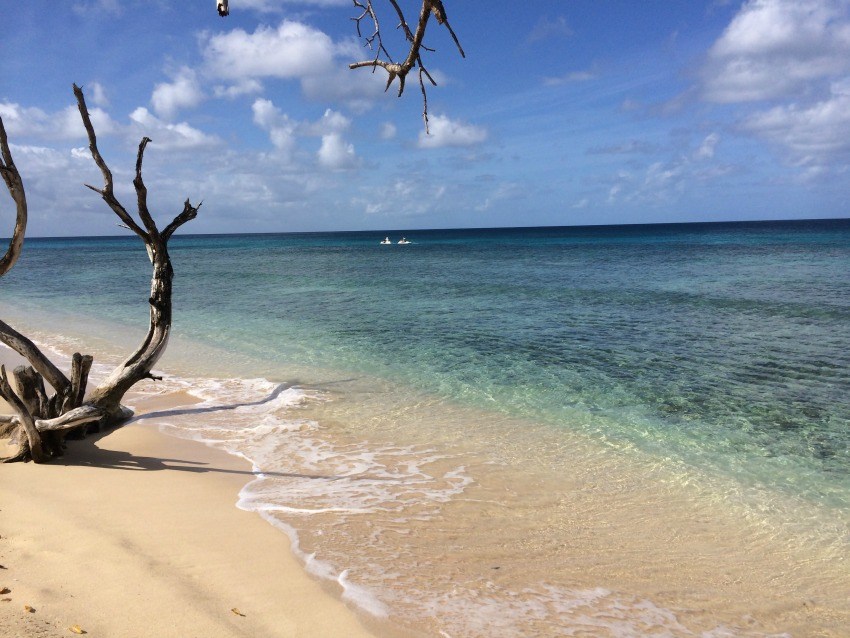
[(237, 612), (29, 610), (5, 600), (77, 629), (5, 591)]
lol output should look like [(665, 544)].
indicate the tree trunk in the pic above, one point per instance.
[(42, 421)]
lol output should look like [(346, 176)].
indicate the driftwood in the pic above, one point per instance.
[(48, 405)]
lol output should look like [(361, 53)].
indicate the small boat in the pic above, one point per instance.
[(403, 241), (386, 242)]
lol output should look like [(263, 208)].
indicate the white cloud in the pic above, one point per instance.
[(32, 159), (447, 132), (23, 121), (292, 50), (817, 134), (245, 87), (183, 92), (388, 131), (97, 93), (775, 48), (331, 122), (706, 149), (358, 89), (270, 6), (168, 136), (335, 153), (279, 125)]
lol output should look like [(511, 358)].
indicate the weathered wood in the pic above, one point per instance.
[(15, 186), (80, 366), (33, 439), (29, 351), (25, 383), (139, 364), (75, 418), (8, 425)]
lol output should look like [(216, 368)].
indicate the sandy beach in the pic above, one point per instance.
[(135, 533)]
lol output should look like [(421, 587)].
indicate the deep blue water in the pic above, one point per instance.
[(726, 345)]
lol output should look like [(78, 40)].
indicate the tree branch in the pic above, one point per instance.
[(189, 213), (415, 38), (107, 191), (14, 183), (33, 439), (29, 351)]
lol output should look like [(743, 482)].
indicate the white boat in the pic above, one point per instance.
[(403, 241), (386, 242)]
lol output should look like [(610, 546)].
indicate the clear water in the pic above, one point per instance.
[(706, 363)]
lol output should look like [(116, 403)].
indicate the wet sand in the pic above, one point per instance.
[(134, 533)]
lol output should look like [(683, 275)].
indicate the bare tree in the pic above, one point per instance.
[(49, 405), (41, 421)]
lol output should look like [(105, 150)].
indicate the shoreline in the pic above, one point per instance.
[(696, 564), (135, 532)]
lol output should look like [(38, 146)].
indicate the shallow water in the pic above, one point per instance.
[(625, 431)]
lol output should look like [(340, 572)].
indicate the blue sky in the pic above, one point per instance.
[(563, 112)]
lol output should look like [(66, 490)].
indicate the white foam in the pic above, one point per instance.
[(362, 597)]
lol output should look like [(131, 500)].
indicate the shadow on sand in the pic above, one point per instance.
[(87, 453)]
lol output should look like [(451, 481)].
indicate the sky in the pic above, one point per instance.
[(563, 112)]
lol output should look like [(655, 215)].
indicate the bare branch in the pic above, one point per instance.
[(142, 192), (107, 191), (27, 349), (26, 420), (189, 213), (71, 419), (415, 39), (15, 184)]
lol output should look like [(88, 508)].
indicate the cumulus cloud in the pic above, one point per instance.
[(335, 153), (774, 48), (169, 136), (23, 121), (447, 132), (816, 134), (269, 6), (243, 87), (240, 61), (292, 50), (331, 122), (280, 127), (184, 91)]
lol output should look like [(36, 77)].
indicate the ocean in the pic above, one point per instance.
[(595, 431)]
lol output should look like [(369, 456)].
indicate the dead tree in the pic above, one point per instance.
[(414, 38), (49, 405), (42, 420)]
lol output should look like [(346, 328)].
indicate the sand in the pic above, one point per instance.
[(135, 533)]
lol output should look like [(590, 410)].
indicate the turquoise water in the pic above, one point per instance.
[(725, 341), (717, 351)]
